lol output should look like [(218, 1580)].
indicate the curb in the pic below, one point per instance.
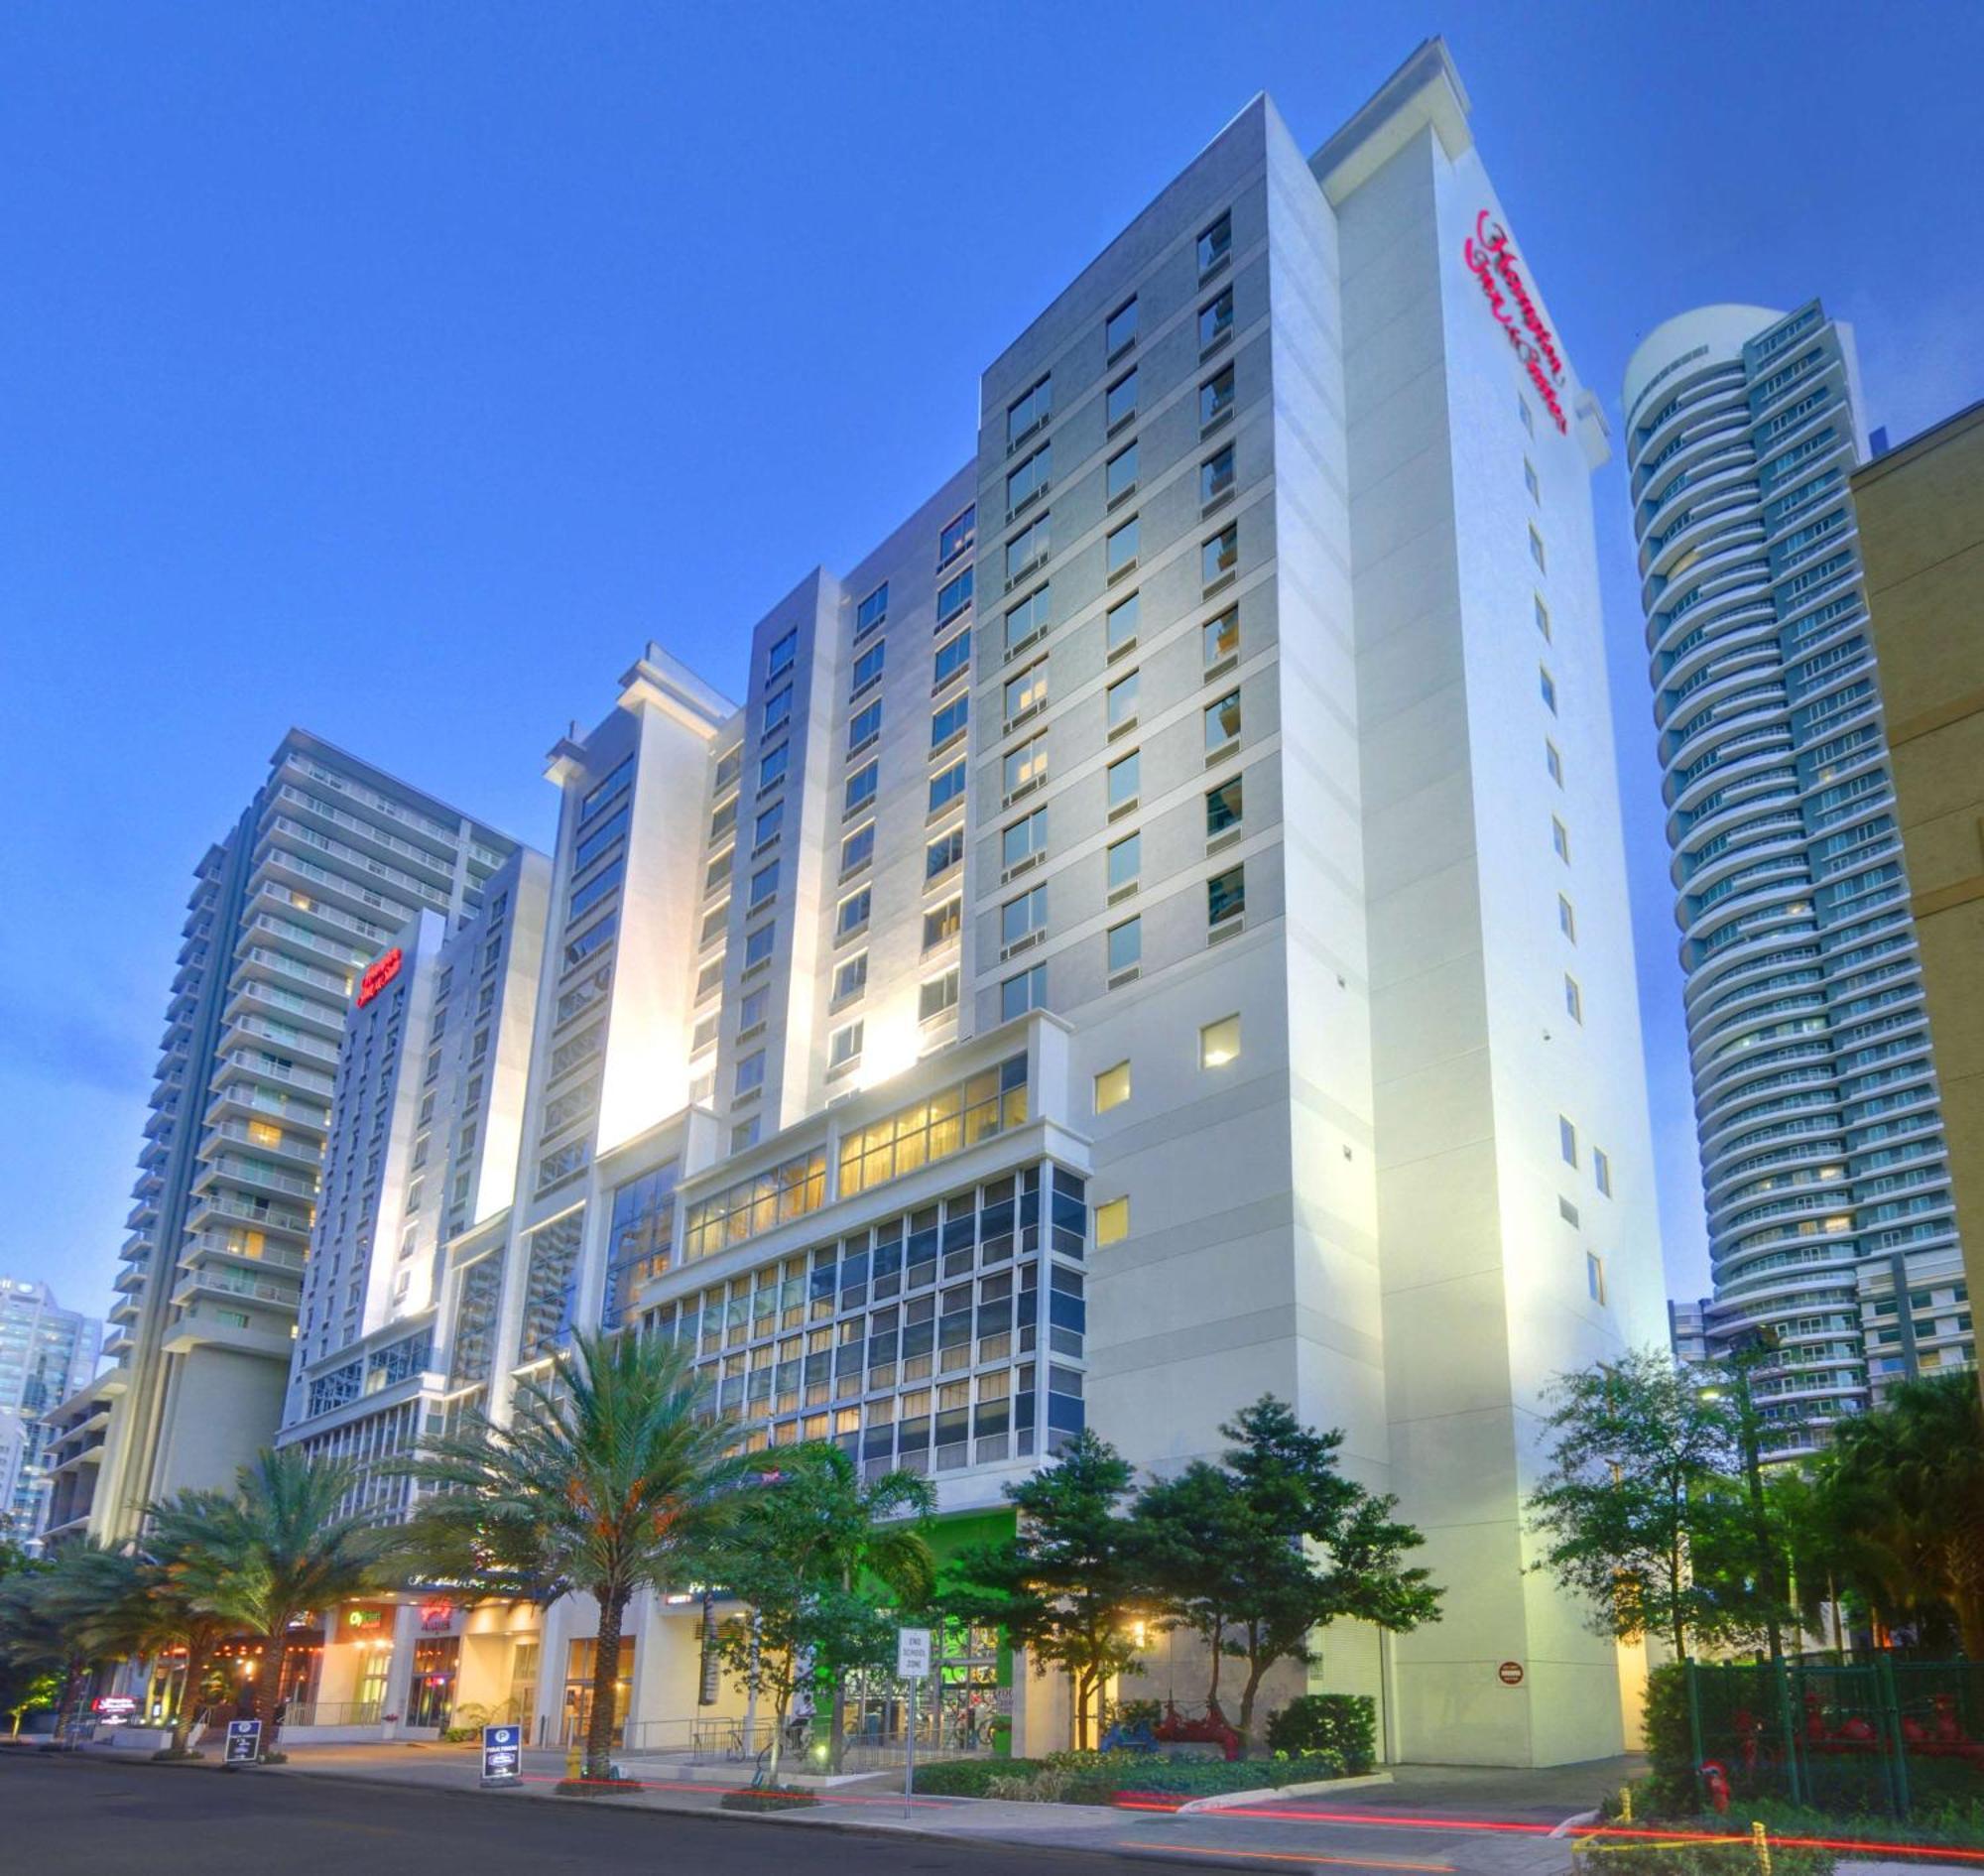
[(1268, 1794)]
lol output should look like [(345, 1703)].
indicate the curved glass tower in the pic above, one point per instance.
[(1821, 1140)]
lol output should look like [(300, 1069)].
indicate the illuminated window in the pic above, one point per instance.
[(1112, 1222), (752, 1206), (1112, 1087), (1219, 1043), (991, 1102)]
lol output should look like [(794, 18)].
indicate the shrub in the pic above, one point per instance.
[(972, 1778), (1344, 1726), (1671, 1788), (767, 1797), (1701, 1859)]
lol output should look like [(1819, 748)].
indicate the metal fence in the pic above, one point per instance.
[(1875, 1736)]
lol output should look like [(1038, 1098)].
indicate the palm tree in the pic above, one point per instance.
[(612, 1473), (181, 1549), (1913, 1474), (281, 1548)]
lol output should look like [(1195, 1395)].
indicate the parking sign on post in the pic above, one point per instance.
[(502, 1755), (244, 1742)]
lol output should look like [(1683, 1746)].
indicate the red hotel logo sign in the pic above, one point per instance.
[(1490, 262), (378, 974)]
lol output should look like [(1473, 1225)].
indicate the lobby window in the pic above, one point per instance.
[(1030, 410), (1226, 898), (1601, 1170), (1219, 1043), (852, 912), (1120, 333), (1215, 244), (1215, 396), (1120, 626), (1566, 918), (1215, 319), (1126, 947), (1222, 725), (1121, 478), (941, 923), (1543, 614), (1029, 618), (1028, 990), (772, 766), (850, 977), (958, 535), (1029, 548), (1529, 481), (778, 708), (1222, 806), (1560, 840), (857, 850), (936, 996), (1554, 762), (1121, 402), (950, 720), (947, 785), (1026, 766), (763, 886), (944, 852), (1123, 781), (861, 787), (1594, 1275), (1121, 701), (1536, 550), (868, 667), (1219, 558), (750, 1074), (1024, 840), (1546, 689), (1112, 1087), (1574, 999), (1027, 692), (1215, 477), (950, 659), (864, 726), (1122, 548), (1020, 918), (1112, 1222), (871, 611), (1030, 479), (778, 660), (845, 1045), (1567, 1139)]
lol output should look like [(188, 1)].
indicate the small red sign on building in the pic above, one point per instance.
[(378, 974), (1511, 1674)]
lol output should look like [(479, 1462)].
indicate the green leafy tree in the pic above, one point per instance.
[(1638, 1509), (1068, 1583), (1286, 1545), (811, 1552), (1908, 1478), (611, 1474), (68, 1615)]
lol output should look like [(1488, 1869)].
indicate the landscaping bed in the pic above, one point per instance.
[(767, 1797), (1101, 1778)]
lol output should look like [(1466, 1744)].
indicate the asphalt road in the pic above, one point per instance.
[(74, 1816)]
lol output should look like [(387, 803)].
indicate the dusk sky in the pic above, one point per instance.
[(397, 371)]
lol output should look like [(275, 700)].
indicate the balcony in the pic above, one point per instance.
[(223, 1282), (246, 1247), (230, 1168), (215, 1208)]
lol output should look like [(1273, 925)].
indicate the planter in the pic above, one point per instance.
[(767, 1797), (596, 1788)]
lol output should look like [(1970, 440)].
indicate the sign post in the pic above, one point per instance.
[(913, 1663), (502, 1755), (244, 1742)]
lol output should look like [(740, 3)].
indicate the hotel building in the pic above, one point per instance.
[(326, 864), (1151, 932), (1821, 1140)]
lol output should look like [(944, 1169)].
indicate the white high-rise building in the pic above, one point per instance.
[(1153, 932), (1821, 1138), (47, 1352)]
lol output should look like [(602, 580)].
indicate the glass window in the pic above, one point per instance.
[(1028, 990), (1560, 840), (1031, 410), (751, 1072), (1542, 615), (1029, 548), (944, 852), (1537, 550), (1025, 765), (1226, 896), (778, 708), (1594, 1275), (845, 1045), (1566, 918), (1554, 762), (990, 1103), (850, 977), (1112, 1222), (1020, 918), (864, 726), (1121, 698), (949, 720), (947, 785), (958, 535), (1112, 1087), (1122, 552), (1027, 691), (763, 886), (1122, 474), (744, 1136), (1221, 556), (941, 923), (852, 912), (1121, 626), (1215, 319), (766, 829), (1567, 1139), (752, 1009), (1219, 637), (1528, 420), (953, 596), (1601, 1170), (784, 651), (951, 658), (858, 848), (1126, 860), (1122, 779), (1121, 401), (1028, 617), (1126, 945), (1024, 840), (868, 667), (1121, 329), (1215, 244), (1219, 1043), (872, 610), (1222, 722), (861, 787), (771, 765), (1215, 396), (1215, 477), (1030, 479), (759, 945), (1547, 684), (936, 996), (1530, 480), (1574, 999)]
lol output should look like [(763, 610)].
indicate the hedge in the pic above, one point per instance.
[(1098, 1777), (1342, 1725)]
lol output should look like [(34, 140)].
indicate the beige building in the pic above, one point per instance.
[(1921, 529)]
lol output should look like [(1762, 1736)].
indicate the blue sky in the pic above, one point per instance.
[(398, 370)]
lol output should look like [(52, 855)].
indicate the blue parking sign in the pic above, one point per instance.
[(502, 1755), (244, 1741)]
